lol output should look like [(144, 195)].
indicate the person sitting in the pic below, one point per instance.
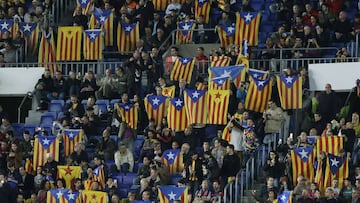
[(124, 159), (43, 86), (57, 91), (106, 146)]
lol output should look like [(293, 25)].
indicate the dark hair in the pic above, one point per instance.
[(231, 146)]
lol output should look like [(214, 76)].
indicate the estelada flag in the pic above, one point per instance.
[(258, 95), (202, 7), (184, 34), (290, 91), (42, 146), (156, 107), (168, 194), (69, 174), (236, 73), (358, 87), (219, 61), (182, 69), (31, 34), (69, 43), (129, 114), (257, 74), (226, 35), (99, 175), (29, 167), (169, 91), (47, 52), (93, 44), (243, 57), (218, 80), (285, 197), (70, 138), (73, 197), (247, 27), (173, 160), (176, 117), (85, 6), (90, 196), (127, 36), (8, 26), (329, 144), (196, 106), (337, 168), (218, 105), (105, 18), (303, 163), (56, 195), (160, 5)]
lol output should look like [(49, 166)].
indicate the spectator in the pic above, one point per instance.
[(74, 109), (273, 167), (202, 60), (44, 188), (148, 144), (79, 156), (43, 86), (342, 54), (106, 145), (173, 8), (156, 23), (218, 152), (211, 166), (230, 166), (193, 172), (106, 86), (273, 117), (144, 186), (264, 191), (329, 104), (88, 86), (124, 159), (9, 52), (326, 17), (342, 28), (25, 144), (5, 126), (5, 190), (50, 167), (58, 91), (15, 155), (120, 81), (301, 185), (302, 140), (72, 85), (204, 193), (80, 19), (356, 123), (225, 20)]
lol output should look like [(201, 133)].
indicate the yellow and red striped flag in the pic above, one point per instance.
[(85, 6), (156, 107), (176, 117), (127, 36), (290, 91), (284, 197), (320, 172), (173, 161), (185, 31), (69, 43), (90, 196), (47, 52), (303, 163), (226, 134), (182, 69), (31, 34), (358, 87), (247, 27), (69, 174), (129, 114), (70, 138), (99, 175), (243, 56), (219, 77), (169, 91), (202, 7), (56, 195), (93, 44), (106, 20), (168, 194), (329, 144), (160, 5), (226, 35), (196, 106), (42, 146), (337, 168), (8, 26), (219, 61), (29, 167), (218, 104), (258, 95), (221, 4)]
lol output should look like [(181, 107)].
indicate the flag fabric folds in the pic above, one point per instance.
[(285, 197), (303, 163), (236, 73), (247, 27), (329, 144), (29, 167), (257, 74), (90, 196), (160, 5), (196, 106), (129, 114), (202, 7), (42, 146), (218, 104), (337, 169), (99, 175), (31, 34), (106, 20), (217, 80), (56, 195), (70, 138), (290, 91), (168, 194), (184, 34), (182, 69), (176, 117), (93, 44), (85, 6), (47, 52), (258, 95), (127, 36), (8, 26), (69, 43), (219, 61), (156, 107), (226, 35), (173, 161), (169, 91), (69, 174)]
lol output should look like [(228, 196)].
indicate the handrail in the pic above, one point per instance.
[(226, 188), (21, 104), (238, 175)]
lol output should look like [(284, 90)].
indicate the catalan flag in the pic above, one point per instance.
[(226, 134), (221, 4), (106, 20), (217, 80), (129, 114), (219, 61), (257, 74), (242, 60), (8, 26), (42, 146), (127, 36), (290, 91), (69, 174), (31, 34), (358, 87), (202, 7), (93, 44), (173, 161), (337, 169), (56, 195), (89, 196), (243, 57), (29, 167), (285, 197), (236, 73), (329, 144), (303, 163), (184, 34), (156, 107), (176, 116), (160, 5), (320, 174), (70, 138), (168, 194), (99, 175), (218, 105), (169, 91), (47, 52), (182, 69), (258, 95), (69, 43), (247, 27), (73, 197), (85, 6), (226, 35), (196, 106)]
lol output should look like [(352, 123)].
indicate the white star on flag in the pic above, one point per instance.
[(185, 60), (178, 102), (83, 1), (256, 75), (303, 154), (334, 162), (225, 74), (59, 194), (71, 195), (127, 107), (92, 35), (172, 196), (261, 83), (46, 141), (201, 1), (220, 82), (102, 18), (170, 156), (71, 135), (5, 26), (27, 27), (128, 28), (195, 94), (283, 197), (248, 17), (155, 101), (186, 26), (231, 29), (289, 79)]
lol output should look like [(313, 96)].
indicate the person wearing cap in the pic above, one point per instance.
[(193, 172)]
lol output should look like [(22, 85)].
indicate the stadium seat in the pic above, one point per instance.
[(257, 5), (114, 101), (138, 145), (60, 115), (128, 179), (174, 179), (18, 129), (137, 165), (123, 192), (48, 117), (102, 104), (267, 27), (84, 103), (115, 138), (58, 101), (55, 107), (31, 127)]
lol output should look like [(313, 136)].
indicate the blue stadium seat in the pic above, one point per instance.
[(31, 127), (48, 117), (115, 138), (138, 145), (114, 101), (47, 127), (174, 179), (267, 27), (123, 192), (137, 165), (84, 102), (257, 5), (128, 179), (55, 107), (60, 115), (18, 129), (58, 101), (102, 104)]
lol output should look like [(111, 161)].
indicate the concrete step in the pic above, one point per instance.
[(33, 117)]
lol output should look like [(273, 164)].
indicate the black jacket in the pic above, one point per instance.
[(231, 165)]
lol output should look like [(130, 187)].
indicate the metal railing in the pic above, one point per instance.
[(239, 192), (27, 95)]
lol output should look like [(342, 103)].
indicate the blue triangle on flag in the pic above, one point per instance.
[(261, 84), (177, 102), (46, 141), (248, 16), (156, 101), (289, 80), (303, 153), (195, 95)]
